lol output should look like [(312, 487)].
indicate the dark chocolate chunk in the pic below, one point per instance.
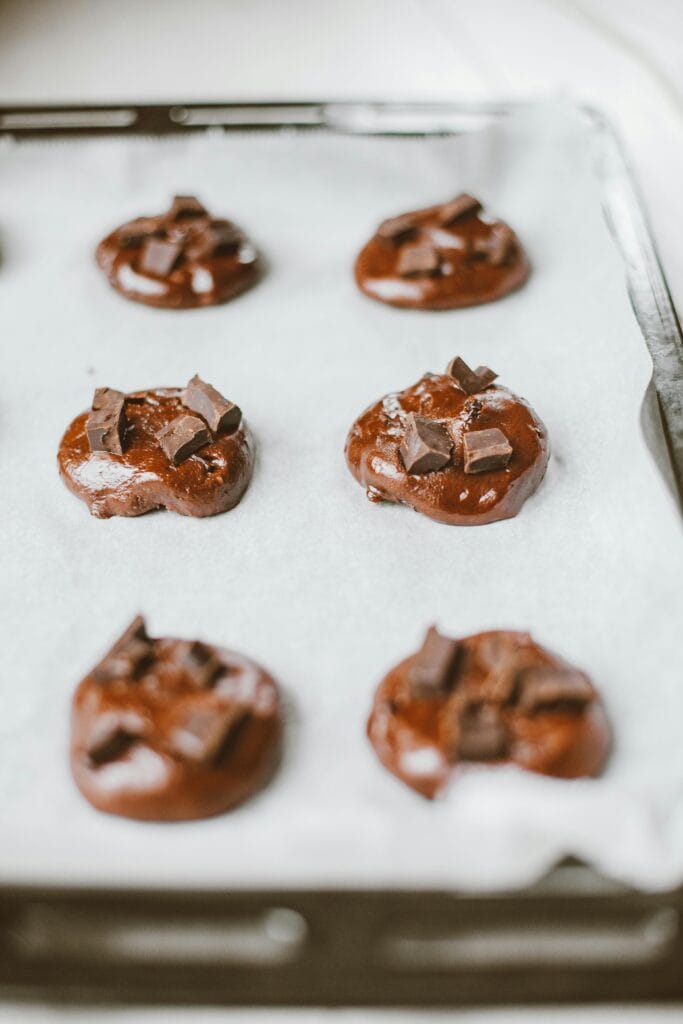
[(131, 652), (546, 687), (433, 668), (459, 207), (418, 261), (185, 206), (496, 246), (471, 381), (138, 230), (217, 238), (426, 445), (219, 413), (482, 734), (486, 450), (502, 682), (159, 256), (397, 229), (204, 734), (200, 663), (183, 436), (112, 735), (105, 424)]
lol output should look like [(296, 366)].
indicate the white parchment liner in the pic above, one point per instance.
[(306, 576)]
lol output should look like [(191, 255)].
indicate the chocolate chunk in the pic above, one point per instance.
[(433, 668), (502, 683), (105, 424), (159, 256), (426, 445), (183, 436), (138, 230), (219, 413), (397, 229), (200, 663), (112, 735), (471, 381), (418, 261), (496, 246), (459, 207), (486, 450), (482, 735), (185, 206), (204, 734), (546, 687), (217, 238), (131, 652)]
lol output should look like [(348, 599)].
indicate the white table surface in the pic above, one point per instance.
[(625, 56)]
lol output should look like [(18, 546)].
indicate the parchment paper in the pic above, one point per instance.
[(306, 576)]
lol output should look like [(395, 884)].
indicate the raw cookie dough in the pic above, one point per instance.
[(495, 697), (171, 730)]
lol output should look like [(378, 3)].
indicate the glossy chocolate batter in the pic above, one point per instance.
[(181, 259), (496, 697), (171, 730), (144, 477), (449, 494), (442, 257)]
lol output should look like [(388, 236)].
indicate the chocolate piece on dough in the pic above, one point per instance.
[(482, 735), (218, 237), (200, 663), (397, 229), (219, 413), (486, 450), (112, 735), (159, 256), (105, 423), (461, 206), (204, 733), (434, 666), (471, 381), (547, 687), (418, 261), (183, 436), (495, 246), (426, 446), (185, 206), (131, 652)]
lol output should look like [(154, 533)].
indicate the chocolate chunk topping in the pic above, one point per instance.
[(471, 381), (138, 230), (159, 256), (112, 735), (482, 734), (185, 206), (486, 450), (219, 413), (131, 652), (434, 666), (200, 663), (418, 261), (397, 229), (459, 207), (183, 436), (218, 237), (106, 422), (548, 687), (204, 734), (426, 446), (496, 246)]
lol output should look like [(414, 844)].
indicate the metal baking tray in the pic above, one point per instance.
[(574, 936)]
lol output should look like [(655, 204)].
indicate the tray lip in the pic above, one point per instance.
[(649, 293)]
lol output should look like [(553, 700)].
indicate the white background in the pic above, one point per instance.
[(623, 55)]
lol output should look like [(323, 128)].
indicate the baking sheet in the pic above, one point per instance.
[(325, 589)]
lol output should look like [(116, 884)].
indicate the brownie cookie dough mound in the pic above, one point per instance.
[(187, 450), (171, 730), (497, 698), (179, 260), (443, 257), (455, 447)]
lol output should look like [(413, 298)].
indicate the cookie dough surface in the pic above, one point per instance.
[(449, 494), (180, 259), (424, 260), (496, 697), (172, 730), (210, 480)]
